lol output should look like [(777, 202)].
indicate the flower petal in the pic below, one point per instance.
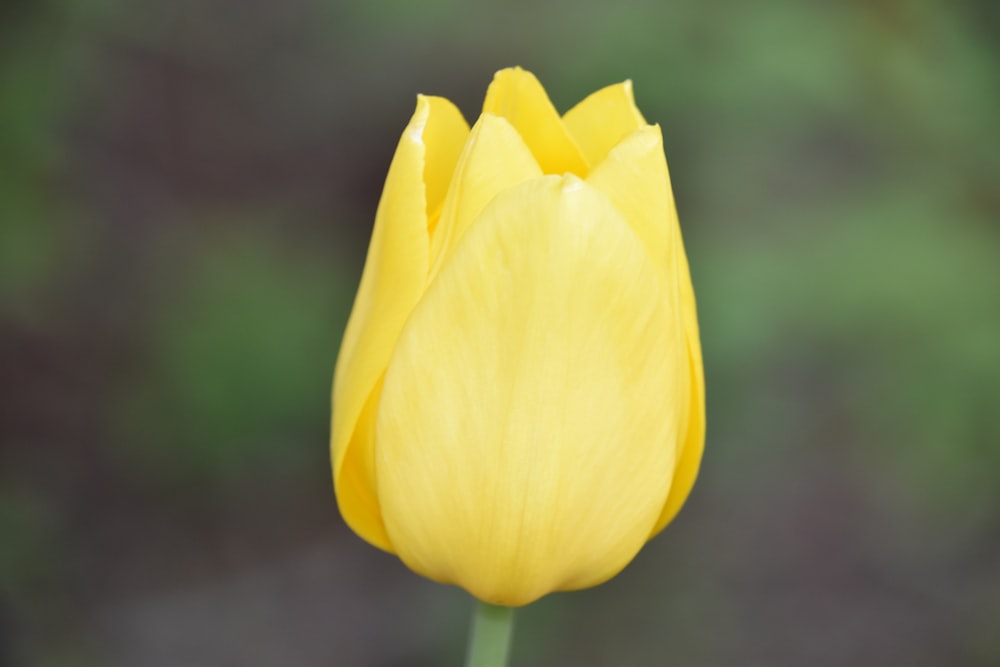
[(692, 441), (519, 97), (603, 119), (443, 137), (394, 278), (634, 176), (495, 159), (526, 425)]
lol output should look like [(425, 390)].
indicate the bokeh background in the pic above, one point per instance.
[(186, 193)]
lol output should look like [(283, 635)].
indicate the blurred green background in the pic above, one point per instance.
[(186, 193)]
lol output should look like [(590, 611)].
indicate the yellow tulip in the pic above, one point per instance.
[(518, 404)]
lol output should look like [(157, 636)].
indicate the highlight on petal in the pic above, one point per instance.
[(529, 413), (603, 119), (495, 159), (519, 97), (394, 278)]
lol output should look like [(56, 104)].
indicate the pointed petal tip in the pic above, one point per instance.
[(514, 73), (430, 104), (513, 69), (418, 121), (602, 119), (519, 96)]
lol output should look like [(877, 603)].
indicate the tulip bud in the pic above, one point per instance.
[(518, 403)]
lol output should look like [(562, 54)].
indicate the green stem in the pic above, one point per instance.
[(490, 640)]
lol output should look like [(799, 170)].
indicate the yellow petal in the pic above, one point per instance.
[(526, 426), (394, 278), (495, 159), (444, 136), (603, 119), (519, 97), (693, 427), (634, 176)]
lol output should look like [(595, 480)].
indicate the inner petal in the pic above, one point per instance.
[(519, 97)]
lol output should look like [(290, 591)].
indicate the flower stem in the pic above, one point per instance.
[(489, 642)]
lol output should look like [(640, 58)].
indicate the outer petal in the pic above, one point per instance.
[(693, 442), (395, 276), (519, 97), (603, 119), (495, 159), (526, 426), (634, 175)]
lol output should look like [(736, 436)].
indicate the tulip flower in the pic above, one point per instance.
[(518, 402)]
